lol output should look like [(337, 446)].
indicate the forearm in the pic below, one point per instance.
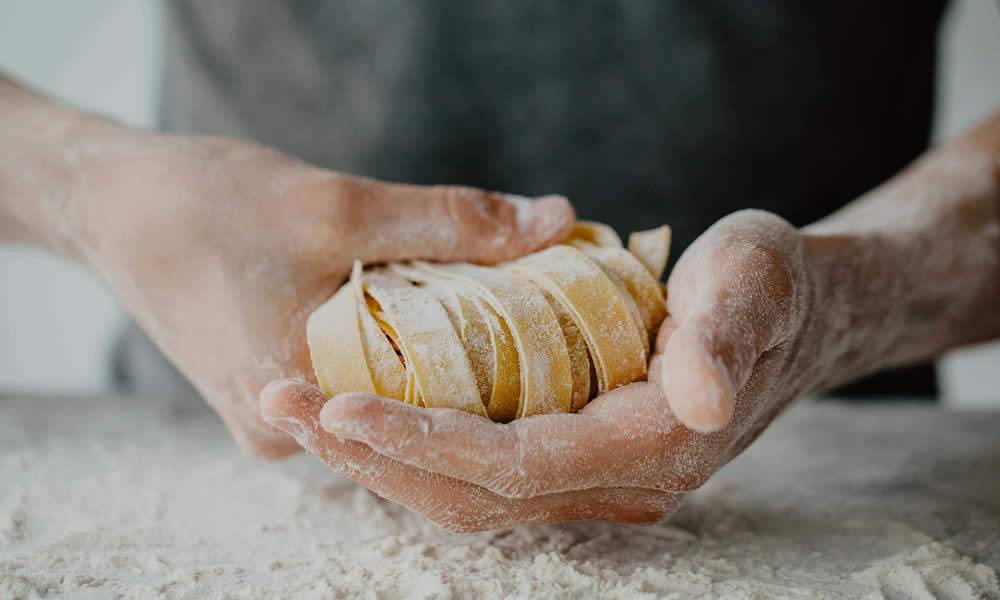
[(41, 148), (913, 268)]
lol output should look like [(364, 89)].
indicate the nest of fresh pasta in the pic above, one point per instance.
[(545, 333)]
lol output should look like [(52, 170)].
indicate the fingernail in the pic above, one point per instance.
[(279, 395), (272, 391), (292, 426), (543, 217), (337, 417), (711, 409), (701, 394), (711, 415), (278, 384)]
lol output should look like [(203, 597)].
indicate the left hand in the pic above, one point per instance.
[(738, 300), (234, 244)]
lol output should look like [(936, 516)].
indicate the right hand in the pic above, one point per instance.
[(221, 249)]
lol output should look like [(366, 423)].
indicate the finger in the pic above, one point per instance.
[(611, 444), (702, 362), (733, 297), (454, 504), (388, 222)]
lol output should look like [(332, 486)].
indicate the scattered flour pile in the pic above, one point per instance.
[(117, 498)]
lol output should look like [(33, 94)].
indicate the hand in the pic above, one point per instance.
[(739, 300), (221, 249)]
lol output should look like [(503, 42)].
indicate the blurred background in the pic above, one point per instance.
[(57, 322)]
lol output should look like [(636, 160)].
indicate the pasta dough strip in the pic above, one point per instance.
[(540, 335), (652, 248), (597, 306), (505, 376), (431, 347), (388, 374), (505, 394), (546, 379), (592, 232), (647, 292), (472, 330), (334, 339), (580, 366), (639, 269)]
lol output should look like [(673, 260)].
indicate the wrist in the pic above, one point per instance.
[(913, 268), (853, 325), (43, 191), (897, 283)]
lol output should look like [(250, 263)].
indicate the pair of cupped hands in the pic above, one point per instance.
[(221, 249)]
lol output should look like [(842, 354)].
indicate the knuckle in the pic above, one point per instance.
[(480, 217), (463, 200), (780, 277), (762, 257), (344, 202), (334, 203), (759, 220), (775, 269)]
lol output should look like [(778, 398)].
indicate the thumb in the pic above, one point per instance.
[(734, 295), (706, 361), (453, 223)]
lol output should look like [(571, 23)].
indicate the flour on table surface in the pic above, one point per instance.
[(125, 498)]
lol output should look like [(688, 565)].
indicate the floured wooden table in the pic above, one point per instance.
[(104, 498)]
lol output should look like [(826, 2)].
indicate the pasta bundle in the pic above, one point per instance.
[(541, 334)]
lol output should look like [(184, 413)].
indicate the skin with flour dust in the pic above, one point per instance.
[(233, 245), (904, 273)]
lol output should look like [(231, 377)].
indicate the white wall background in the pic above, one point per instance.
[(57, 322)]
